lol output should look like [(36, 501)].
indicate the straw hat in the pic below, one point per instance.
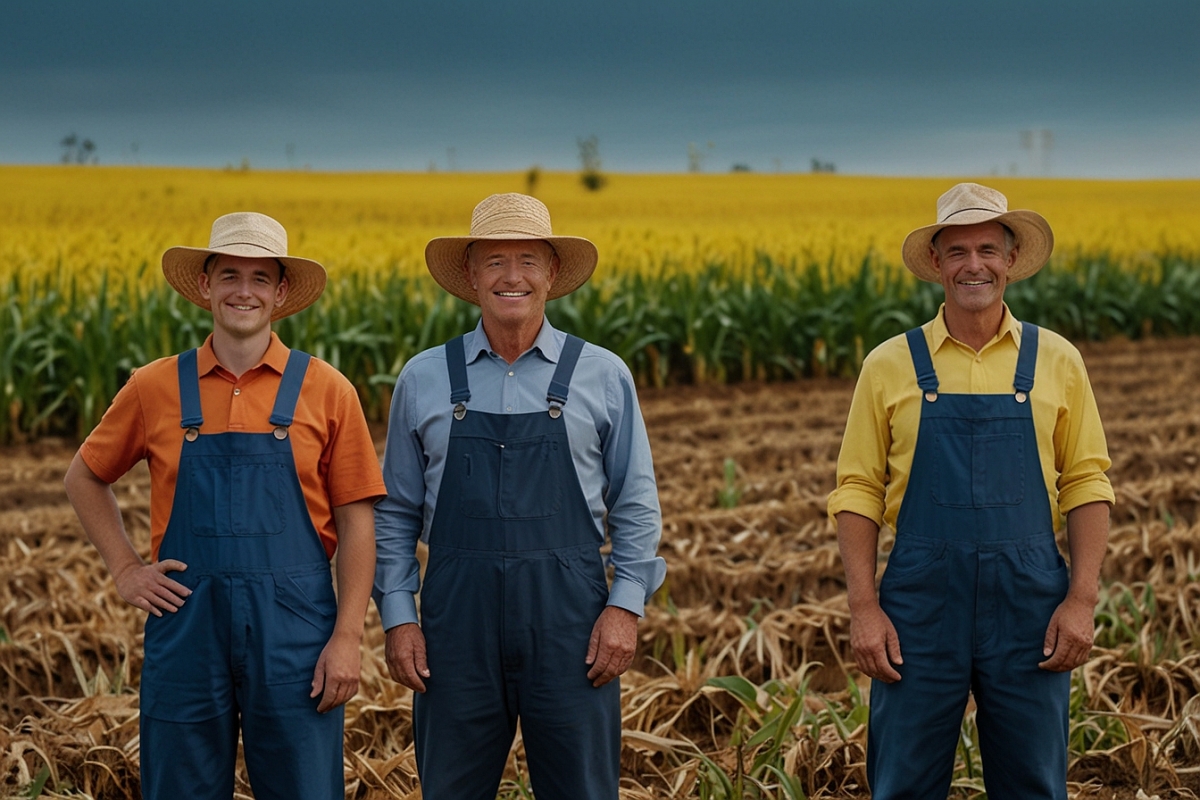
[(968, 204), (251, 235), (513, 217)]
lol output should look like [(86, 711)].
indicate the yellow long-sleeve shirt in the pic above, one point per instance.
[(881, 432)]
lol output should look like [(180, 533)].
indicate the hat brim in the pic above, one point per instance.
[(445, 256), (1034, 239), (306, 278)]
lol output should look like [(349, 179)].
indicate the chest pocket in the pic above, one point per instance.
[(979, 470), (516, 480), (240, 499)]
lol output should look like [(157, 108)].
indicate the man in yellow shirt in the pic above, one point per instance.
[(971, 436)]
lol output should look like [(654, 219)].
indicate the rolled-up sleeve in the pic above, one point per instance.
[(1080, 448), (399, 516), (862, 469), (634, 519)]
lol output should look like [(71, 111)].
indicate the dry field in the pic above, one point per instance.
[(753, 590)]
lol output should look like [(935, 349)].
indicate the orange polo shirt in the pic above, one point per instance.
[(335, 458)]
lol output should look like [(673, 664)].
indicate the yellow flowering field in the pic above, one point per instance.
[(94, 218)]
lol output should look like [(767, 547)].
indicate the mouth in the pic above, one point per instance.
[(240, 307), (512, 294), (973, 283)]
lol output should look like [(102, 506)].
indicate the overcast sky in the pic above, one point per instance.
[(1101, 88)]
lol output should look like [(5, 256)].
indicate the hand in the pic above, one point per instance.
[(613, 642), (337, 672), (147, 586), (405, 651), (1068, 636), (875, 643)]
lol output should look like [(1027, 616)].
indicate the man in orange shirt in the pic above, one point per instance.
[(261, 467)]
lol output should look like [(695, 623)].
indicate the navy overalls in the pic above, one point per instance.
[(512, 589), (242, 649), (970, 586)]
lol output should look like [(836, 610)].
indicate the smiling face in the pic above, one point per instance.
[(973, 261), (243, 293), (512, 280)]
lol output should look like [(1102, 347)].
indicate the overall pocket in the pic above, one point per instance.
[(530, 481), (299, 626), (979, 470)]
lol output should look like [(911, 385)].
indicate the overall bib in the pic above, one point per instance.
[(513, 586), (970, 586), (241, 650)]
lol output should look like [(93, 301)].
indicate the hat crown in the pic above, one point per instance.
[(966, 197), (250, 229), (511, 215)]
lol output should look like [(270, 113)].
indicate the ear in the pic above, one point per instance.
[(466, 268), (202, 282), (281, 292), (555, 266), (933, 257)]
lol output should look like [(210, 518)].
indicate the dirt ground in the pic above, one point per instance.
[(768, 554)]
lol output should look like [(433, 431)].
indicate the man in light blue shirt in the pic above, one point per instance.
[(512, 451)]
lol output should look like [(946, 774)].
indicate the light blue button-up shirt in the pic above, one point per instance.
[(609, 447)]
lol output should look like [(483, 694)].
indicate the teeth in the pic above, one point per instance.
[(512, 294)]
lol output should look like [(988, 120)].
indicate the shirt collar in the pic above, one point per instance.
[(1009, 326), (546, 343), (276, 356)]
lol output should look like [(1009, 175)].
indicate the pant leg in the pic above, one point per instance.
[(1023, 710), (188, 759), (913, 731), (292, 752), (464, 723)]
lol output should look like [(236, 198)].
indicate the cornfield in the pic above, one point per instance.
[(712, 288), (703, 279)]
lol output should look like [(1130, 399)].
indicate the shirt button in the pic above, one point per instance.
[(510, 408), (511, 373), (978, 359), (237, 391)]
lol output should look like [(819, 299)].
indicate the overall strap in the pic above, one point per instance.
[(289, 389), (189, 390), (1027, 358), (560, 383), (456, 365), (927, 379)]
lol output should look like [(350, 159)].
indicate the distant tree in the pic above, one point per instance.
[(823, 166), (589, 158), (739, 167), (78, 151)]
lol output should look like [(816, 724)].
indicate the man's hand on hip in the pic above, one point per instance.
[(875, 643), (613, 642), (1069, 636), (148, 587), (405, 651)]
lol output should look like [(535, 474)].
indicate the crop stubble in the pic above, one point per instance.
[(753, 590)]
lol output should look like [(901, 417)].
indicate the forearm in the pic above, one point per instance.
[(858, 543), (98, 512), (1087, 541), (355, 564)]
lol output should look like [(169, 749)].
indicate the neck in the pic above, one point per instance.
[(238, 354), (974, 328), (510, 341)]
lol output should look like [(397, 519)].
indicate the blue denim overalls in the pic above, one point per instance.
[(512, 589), (241, 650), (971, 584)]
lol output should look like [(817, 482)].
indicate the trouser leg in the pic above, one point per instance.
[(1023, 710), (188, 759), (292, 752)]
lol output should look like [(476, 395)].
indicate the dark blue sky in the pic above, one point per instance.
[(923, 88)]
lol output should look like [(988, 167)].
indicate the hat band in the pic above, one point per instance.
[(262, 247), (961, 210)]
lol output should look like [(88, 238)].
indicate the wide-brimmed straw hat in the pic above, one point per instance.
[(510, 217), (250, 235), (968, 204)]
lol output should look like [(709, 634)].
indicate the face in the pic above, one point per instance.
[(973, 264), (243, 293), (512, 279)]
